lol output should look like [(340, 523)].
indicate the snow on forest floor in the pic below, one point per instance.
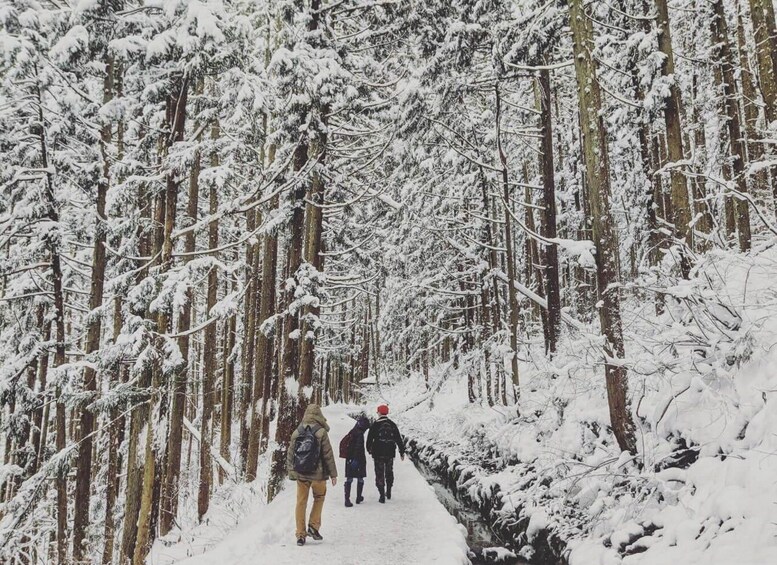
[(703, 379), (413, 527), (704, 385)]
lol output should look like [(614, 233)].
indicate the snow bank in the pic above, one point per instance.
[(702, 488)]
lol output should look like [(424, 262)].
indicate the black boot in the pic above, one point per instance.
[(359, 490), (382, 493), (388, 492), (312, 532), (348, 502)]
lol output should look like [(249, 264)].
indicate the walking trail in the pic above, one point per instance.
[(412, 528)]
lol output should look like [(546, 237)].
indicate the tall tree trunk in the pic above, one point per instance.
[(245, 395), (312, 255), (139, 414), (467, 306), (312, 245), (364, 357), (754, 143), (535, 265), (227, 385), (116, 418), (143, 543), (652, 185), (260, 413), (176, 122), (209, 366), (604, 234), (490, 321), (352, 353), (265, 376), (287, 409), (169, 509), (658, 198), (762, 14), (681, 207), (59, 360), (552, 288), (704, 223), (375, 334), (730, 102), (765, 31), (40, 416), (508, 235), (52, 242), (84, 468), (115, 427)]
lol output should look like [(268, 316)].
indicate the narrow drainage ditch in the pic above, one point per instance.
[(485, 545)]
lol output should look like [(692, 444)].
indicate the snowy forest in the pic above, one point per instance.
[(543, 231)]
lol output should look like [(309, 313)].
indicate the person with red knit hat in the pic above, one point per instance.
[(383, 440)]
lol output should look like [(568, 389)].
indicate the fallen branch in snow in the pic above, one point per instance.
[(668, 403), (225, 465)]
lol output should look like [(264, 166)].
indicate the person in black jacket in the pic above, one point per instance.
[(383, 440), (356, 461)]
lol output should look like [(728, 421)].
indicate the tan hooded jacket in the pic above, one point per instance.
[(327, 466)]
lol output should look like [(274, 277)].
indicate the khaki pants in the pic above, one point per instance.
[(303, 490)]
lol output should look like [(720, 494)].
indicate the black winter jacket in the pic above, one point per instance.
[(356, 462), (384, 438)]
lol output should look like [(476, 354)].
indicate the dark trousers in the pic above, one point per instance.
[(384, 472)]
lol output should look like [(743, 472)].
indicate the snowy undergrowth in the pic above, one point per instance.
[(703, 388), (229, 505), (231, 502)]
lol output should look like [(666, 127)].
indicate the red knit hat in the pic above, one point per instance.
[(383, 410)]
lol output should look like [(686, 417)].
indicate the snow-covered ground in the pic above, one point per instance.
[(703, 384), (411, 528), (702, 489)]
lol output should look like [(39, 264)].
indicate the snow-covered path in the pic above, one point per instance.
[(412, 528)]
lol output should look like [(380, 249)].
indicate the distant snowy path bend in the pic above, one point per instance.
[(412, 528)]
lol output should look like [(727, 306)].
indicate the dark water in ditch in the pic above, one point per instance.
[(485, 546)]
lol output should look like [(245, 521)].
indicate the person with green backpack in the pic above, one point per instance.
[(310, 461)]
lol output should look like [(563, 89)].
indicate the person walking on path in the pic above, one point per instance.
[(383, 440), (352, 449), (310, 461)]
